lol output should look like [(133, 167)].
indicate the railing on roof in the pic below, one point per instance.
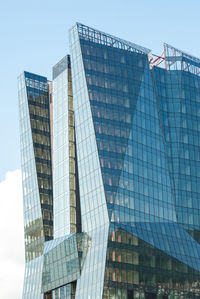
[(171, 58), (175, 59), (102, 38)]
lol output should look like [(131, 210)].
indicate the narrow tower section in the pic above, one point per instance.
[(36, 176), (66, 195), (69, 248)]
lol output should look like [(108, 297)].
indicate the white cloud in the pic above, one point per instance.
[(11, 236)]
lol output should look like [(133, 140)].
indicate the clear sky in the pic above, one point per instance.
[(34, 37)]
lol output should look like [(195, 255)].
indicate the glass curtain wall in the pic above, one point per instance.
[(36, 176)]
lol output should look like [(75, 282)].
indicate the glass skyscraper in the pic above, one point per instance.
[(111, 173)]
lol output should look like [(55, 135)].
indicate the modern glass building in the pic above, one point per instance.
[(36, 176), (118, 134)]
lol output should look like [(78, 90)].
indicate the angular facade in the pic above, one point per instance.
[(64, 175), (123, 141), (36, 176)]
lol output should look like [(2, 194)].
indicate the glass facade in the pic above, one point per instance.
[(126, 171), (36, 176), (94, 214), (147, 242), (63, 260), (66, 196)]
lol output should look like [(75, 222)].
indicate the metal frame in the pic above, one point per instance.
[(175, 59), (178, 60), (170, 59), (155, 60), (102, 38)]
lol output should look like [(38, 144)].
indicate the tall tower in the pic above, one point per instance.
[(66, 195), (136, 128), (36, 176)]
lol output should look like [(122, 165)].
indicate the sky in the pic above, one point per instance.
[(34, 37)]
